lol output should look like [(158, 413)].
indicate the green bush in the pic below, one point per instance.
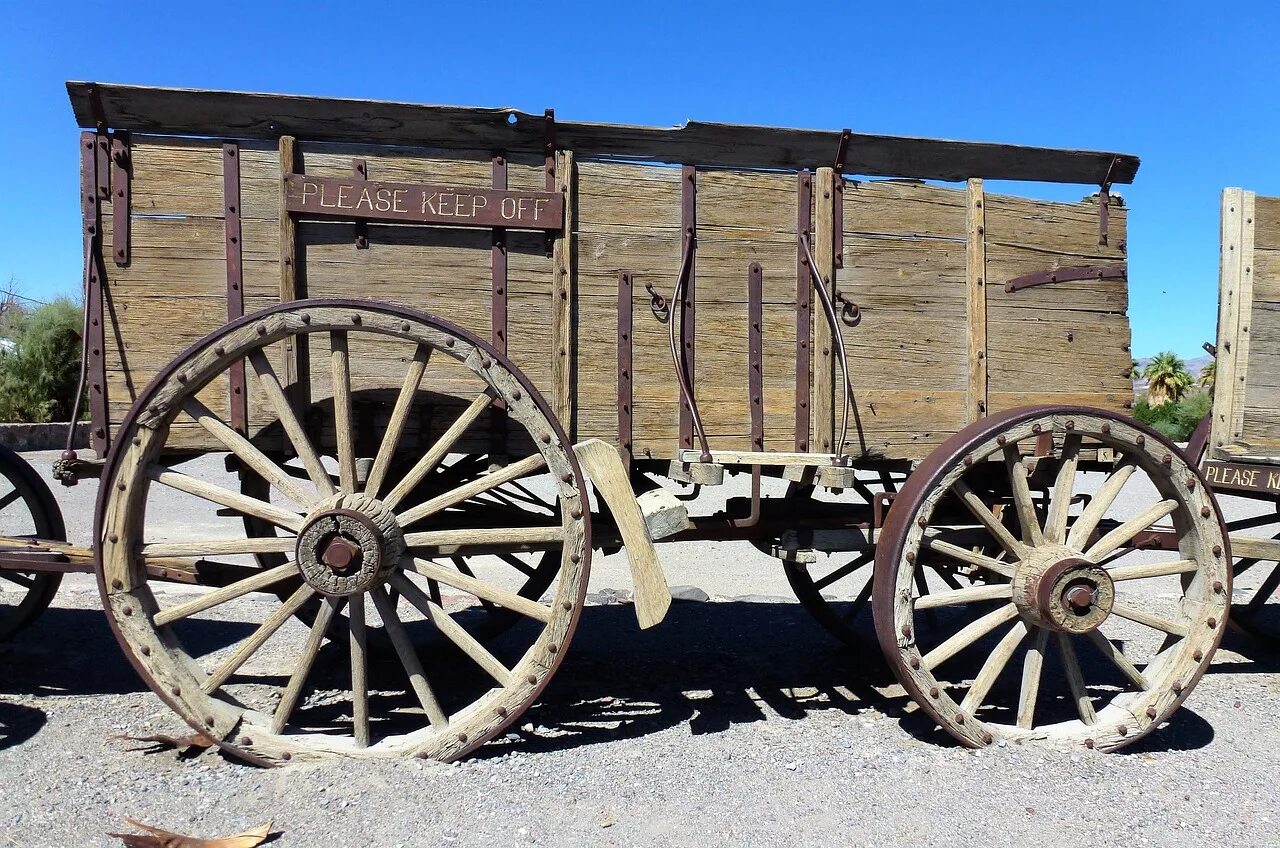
[(38, 378), (1177, 419)]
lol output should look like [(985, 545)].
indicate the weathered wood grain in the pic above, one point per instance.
[(976, 303)]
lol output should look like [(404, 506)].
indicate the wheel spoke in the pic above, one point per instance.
[(9, 498), (967, 635), (1174, 628), (206, 547), (359, 671), (454, 631), (1117, 657), (989, 520), (1153, 569), (247, 452), (258, 638), (289, 420), (399, 417), (305, 660), (448, 541), (934, 543), (1055, 525), (240, 588), (967, 595), (482, 590), (242, 504), (341, 367), (481, 484), (1075, 680), (1022, 497), (408, 658), (1126, 531), (439, 450), (1106, 495), (1032, 665), (22, 580), (992, 668), (845, 570)]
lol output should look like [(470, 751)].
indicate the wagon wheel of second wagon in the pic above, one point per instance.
[(1100, 616), (1255, 588), (27, 510), (269, 688)]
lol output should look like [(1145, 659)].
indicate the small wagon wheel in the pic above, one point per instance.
[(377, 556), (1255, 596), (1097, 619), (27, 509)]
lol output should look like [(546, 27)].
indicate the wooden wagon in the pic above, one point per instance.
[(416, 333), (1238, 445)]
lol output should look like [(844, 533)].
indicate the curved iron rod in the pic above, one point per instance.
[(830, 311), (677, 358)]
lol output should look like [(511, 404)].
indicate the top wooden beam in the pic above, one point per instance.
[(224, 114)]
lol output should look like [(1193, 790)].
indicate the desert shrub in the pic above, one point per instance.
[(38, 375), (1176, 419)]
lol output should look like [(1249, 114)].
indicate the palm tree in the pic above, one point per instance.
[(1208, 376), (1167, 379)]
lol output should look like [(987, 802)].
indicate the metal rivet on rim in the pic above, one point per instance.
[(959, 718), (146, 650), (355, 318), (566, 477), (1177, 686), (553, 647), (566, 605), (1205, 512), (910, 556), (448, 342), (1151, 711), (1167, 459), (1212, 622), (575, 558), (127, 610), (532, 680), (1141, 440), (576, 513), (175, 692), (137, 440), (915, 662), (1217, 550), (1198, 655), (262, 329), (1217, 586), (1191, 483), (516, 395), (405, 326), (968, 460), (182, 377), (1000, 440), (486, 363), (906, 630), (286, 756), (120, 486), (306, 317), (933, 692), (422, 755), (987, 738), (1088, 743), (462, 737), (112, 538), (1106, 429), (244, 740), (1036, 428), (545, 438), (220, 350), (922, 521), (117, 583), (1070, 425), (1122, 730), (501, 711)]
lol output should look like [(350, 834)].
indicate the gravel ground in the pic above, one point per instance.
[(737, 720)]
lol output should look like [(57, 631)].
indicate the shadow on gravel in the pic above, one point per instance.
[(74, 652), (19, 723), (712, 665)]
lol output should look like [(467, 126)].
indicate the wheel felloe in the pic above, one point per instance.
[(1064, 633)]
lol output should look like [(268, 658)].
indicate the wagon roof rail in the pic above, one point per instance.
[(243, 115)]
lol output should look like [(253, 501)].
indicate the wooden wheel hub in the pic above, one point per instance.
[(1058, 589), (348, 544)]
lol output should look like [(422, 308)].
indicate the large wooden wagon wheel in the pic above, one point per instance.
[(1086, 634), (27, 509), (1255, 597), (383, 558)]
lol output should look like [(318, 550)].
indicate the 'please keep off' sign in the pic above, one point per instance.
[(423, 204)]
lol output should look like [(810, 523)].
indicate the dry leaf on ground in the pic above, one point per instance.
[(157, 838)]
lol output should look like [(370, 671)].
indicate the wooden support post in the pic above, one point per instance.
[(976, 303), (498, 313), (804, 310), (824, 241), (297, 361), (1235, 308), (94, 282), (235, 276), (563, 296)]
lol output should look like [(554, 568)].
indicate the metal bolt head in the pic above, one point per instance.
[(906, 630), (1211, 622), (1122, 730), (1000, 440), (1036, 428), (959, 718), (1167, 459), (262, 329), (1198, 655), (1217, 550), (1070, 425), (1106, 429), (910, 556), (922, 521), (1151, 711), (1141, 440), (933, 692), (915, 662), (1205, 512), (117, 584), (1191, 483), (1089, 743)]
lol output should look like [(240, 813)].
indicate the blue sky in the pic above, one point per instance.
[(1192, 88)]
